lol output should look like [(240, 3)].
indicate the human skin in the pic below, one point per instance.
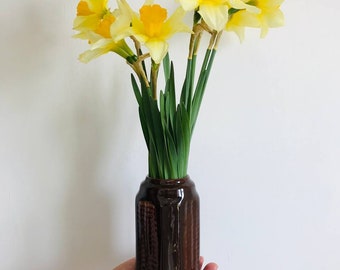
[(131, 264)]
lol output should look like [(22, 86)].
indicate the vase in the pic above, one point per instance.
[(167, 225)]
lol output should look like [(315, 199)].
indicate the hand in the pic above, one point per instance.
[(209, 266), (128, 265), (131, 264)]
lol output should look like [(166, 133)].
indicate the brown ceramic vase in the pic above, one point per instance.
[(167, 225)]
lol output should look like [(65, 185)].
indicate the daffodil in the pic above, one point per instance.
[(124, 16), (150, 27), (239, 19), (243, 5), (93, 22), (93, 16), (103, 46), (269, 15), (213, 12), (168, 125)]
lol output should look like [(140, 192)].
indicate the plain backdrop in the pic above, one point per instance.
[(265, 155)]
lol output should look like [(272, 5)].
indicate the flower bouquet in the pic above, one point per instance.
[(167, 205)]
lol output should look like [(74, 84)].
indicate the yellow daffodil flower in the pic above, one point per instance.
[(150, 27), (93, 22), (103, 46), (269, 15), (213, 12), (153, 30), (124, 16), (168, 125), (243, 4), (94, 16)]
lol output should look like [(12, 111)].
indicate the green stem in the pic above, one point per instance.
[(154, 77), (204, 76), (200, 86)]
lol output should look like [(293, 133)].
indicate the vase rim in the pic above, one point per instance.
[(168, 181)]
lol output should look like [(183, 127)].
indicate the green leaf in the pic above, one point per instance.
[(162, 108), (166, 66), (186, 136), (168, 127), (171, 106), (136, 89), (201, 85), (179, 140), (187, 84), (182, 131), (155, 164), (172, 153), (145, 128)]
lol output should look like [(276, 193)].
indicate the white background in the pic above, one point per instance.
[(265, 154)]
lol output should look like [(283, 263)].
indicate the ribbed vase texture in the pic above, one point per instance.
[(167, 225)]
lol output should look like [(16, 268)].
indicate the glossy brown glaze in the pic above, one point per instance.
[(167, 225)]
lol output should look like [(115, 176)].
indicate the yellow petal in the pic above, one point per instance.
[(238, 30), (244, 18), (97, 5), (124, 17), (97, 49), (157, 49), (188, 5), (269, 3), (275, 18), (103, 46), (85, 22), (175, 24), (148, 2), (239, 4), (215, 16)]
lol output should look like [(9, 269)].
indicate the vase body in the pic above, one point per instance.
[(167, 225)]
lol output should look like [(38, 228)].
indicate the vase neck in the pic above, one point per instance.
[(178, 181)]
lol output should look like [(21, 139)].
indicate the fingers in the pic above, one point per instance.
[(131, 265), (128, 265), (201, 262), (209, 266)]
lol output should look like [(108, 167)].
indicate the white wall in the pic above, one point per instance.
[(265, 156)]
